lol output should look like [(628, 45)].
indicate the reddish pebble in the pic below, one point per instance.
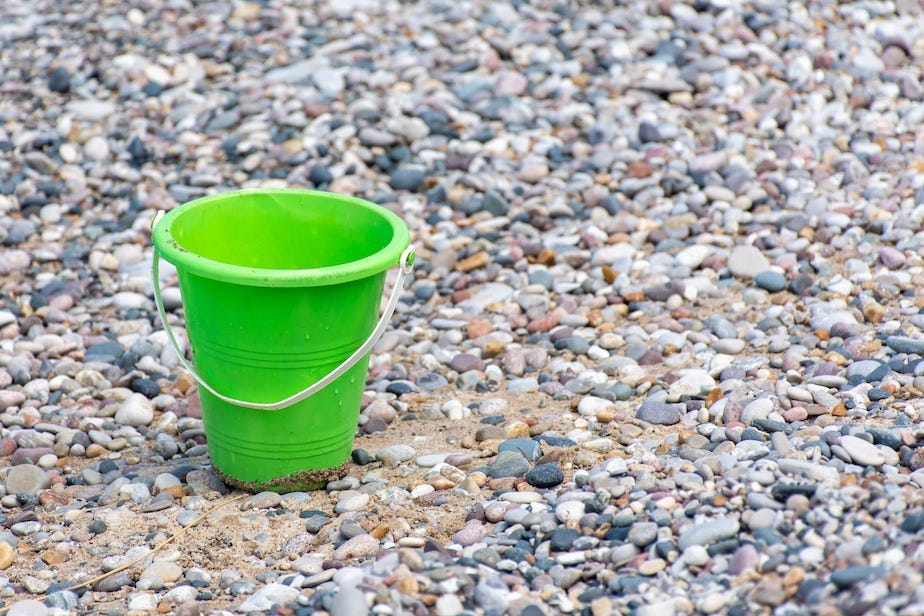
[(62, 302), (193, 407), (28, 455), (478, 328), (463, 362), (53, 497), (544, 324), (796, 413), (7, 446), (459, 460), (472, 533)]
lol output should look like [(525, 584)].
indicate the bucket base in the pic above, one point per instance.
[(302, 481)]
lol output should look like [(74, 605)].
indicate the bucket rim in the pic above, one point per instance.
[(193, 263)]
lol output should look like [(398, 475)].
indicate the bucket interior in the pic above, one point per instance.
[(294, 231)]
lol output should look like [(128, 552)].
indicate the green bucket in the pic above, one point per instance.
[(281, 290)]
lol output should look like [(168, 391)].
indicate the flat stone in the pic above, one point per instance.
[(263, 500), (26, 479), (396, 454), (818, 472), (359, 547), (351, 501), (135, 411), (527, 447), (862, 452), (349, 601), (264, 599), (663, 413), (563, 538), (163, 571), (707, 533), (904, 344), (770, 281), (463, 362), (729, 346), (471, 533), (508, 464), (848, 576), (431, 460), (28, 607), (643, 534), (747, 261), (590, 406), (546, 475)]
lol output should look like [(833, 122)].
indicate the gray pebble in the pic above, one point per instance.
[(708, 533), (660, 412), (509, 464), (26, 479), (528, 448), (770, 281)]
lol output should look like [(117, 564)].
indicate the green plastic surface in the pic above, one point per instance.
[(279, 287)]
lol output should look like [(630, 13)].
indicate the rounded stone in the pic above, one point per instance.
[(26, 479), (96, 148), (770, 281), (135, 411), (546, 475), (28, 607), (163, 571)]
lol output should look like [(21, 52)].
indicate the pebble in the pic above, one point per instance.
[(96, 148), (351, 501), (509, 464), (395, 454), (359, 547), (747, 261), (903, 344), (470, 534), (862, 452), (708, 533), (26, 479), (643, 534), (263, 500), (28, 607), (848, 576), (662, 413), (409, 178), (569, 512), (135, 411), (142, 602), (164, 572), (546, 475), (7, 555), (349, 601), (264, 599), (528, 448), (770, 280), (729, 346)]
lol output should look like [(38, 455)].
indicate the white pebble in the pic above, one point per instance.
[(96, 148), (49, 460), (569, 512), (135, 411)]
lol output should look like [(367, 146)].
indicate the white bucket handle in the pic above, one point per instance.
[(406, 264)]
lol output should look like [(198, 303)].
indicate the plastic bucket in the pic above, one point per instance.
[(281, 290)]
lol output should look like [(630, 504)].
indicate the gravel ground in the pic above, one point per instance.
[(662, 353)]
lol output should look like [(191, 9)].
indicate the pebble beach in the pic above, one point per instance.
[(662, 350)]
